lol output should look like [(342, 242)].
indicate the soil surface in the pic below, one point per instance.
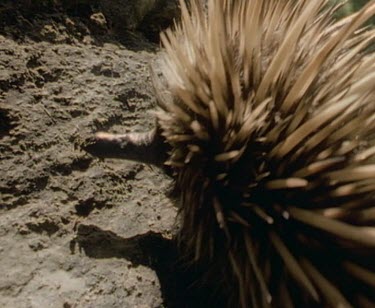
[(76, 231)]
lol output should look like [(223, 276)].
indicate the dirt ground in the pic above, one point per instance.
[(76, 231)]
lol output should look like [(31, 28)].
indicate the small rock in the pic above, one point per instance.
[(99, 20), (49, 32)]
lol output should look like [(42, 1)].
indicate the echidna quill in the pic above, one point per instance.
[(268, 115)]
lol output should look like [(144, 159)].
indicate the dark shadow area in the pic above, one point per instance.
[(6, 124), (85, 207), (69, 21), (158, 19), (180, 283)]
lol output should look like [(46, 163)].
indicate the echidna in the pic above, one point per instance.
[(268, 112)]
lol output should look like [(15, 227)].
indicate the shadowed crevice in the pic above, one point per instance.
[(6, 123)]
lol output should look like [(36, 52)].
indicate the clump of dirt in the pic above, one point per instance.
[(76, 231)]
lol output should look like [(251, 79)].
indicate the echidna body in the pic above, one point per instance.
[(269, 112)]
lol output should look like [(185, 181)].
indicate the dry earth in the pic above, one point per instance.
[(76, 231)]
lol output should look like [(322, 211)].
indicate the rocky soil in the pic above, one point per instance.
[(76, 231)]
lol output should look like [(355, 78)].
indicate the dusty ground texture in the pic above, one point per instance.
[(76, 231)]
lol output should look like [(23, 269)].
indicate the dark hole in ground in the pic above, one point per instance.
[(180, 283), (84, 208), (5, 123), (39, 183)]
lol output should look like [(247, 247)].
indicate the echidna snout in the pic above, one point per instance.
[(149, 147), (270, 125)]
